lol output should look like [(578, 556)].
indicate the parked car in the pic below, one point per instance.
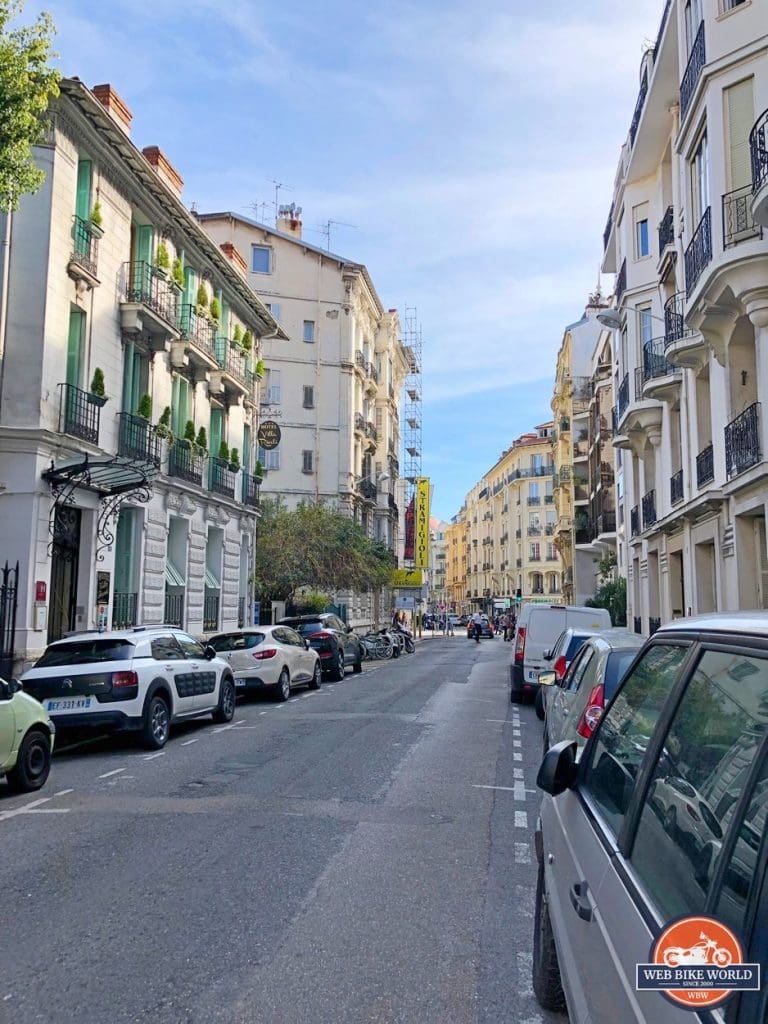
[(142, 679), (336, 643), (486, 629), (614, 868), (26, 738), (565, 649), (274, 658), (576, 701), (538, 627)]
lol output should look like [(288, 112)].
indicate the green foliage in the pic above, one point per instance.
[(177, 272), (97, 384), (234, 459), (260, 369), (97, 217), (215, 309), (611, 595), (202, 440), (237, 334), (202, 297), (27, 85), (311, 602), (145, 407), (258, 470), (224, 451), (248, 341), (189, 432), (162, 257), (317, 547), (163, 428)]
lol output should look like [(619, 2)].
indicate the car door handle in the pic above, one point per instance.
[(579, 900)]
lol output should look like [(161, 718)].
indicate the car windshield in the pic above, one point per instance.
[(86, 652), (306, 628), (616, 669)]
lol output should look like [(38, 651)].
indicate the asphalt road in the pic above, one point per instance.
[(362, 854)]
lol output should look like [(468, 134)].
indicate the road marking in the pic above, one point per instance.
[(476, 700), (224, 728), (293, 700), (518, 789), (63, 792), (521, 819), (522, 853), (517, 743), (4, 815), (516, 732), (517, 757), (517, 773), (500, 721), (151, 757), (186, 743), (262, 712), (115, 771), (49, 810)]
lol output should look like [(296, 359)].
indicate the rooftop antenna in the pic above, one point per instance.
[(259, 209), (278, 186), (325, 230)]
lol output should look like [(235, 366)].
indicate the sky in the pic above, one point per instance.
[(468, 148)]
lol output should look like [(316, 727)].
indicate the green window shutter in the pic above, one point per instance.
[(128, 367), (215, 432), (183, 402), (177, 427), (145, 243), (83, 197), (224, 330), (247, 448), (75, 347), (125, 551), (190, 286)]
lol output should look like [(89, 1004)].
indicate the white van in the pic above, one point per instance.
[(538, 627)]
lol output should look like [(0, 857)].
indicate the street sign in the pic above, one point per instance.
[(268, 435), (405, 603), (421, 552), (407, 578)]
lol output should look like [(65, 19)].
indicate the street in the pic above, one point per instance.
[(364, 853)]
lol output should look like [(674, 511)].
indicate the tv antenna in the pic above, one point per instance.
[(278, 186), (325, 230)]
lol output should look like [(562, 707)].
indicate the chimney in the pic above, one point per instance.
[(234, 257), (114, 106), (289, 220), (163, 168)]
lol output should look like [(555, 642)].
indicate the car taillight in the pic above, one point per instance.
[(590, 716), (520, 645), (269, 652), (693, 812), (120, 679), (321, 636), (560, 666)]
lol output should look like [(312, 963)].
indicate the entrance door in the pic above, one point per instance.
[(64, 567)]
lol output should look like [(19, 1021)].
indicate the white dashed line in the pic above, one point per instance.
[(63, 792), (516, 732), (517, 743), (4, 815), (262, 712), (186, 743), (522, 853), (517, 757), (151, 757), (115, 771), (293, 700), (225, 728), (521, 819), (517, 773)]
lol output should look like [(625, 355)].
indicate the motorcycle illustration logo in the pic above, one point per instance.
[(706, 951)]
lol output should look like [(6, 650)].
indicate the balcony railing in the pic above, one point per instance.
[(145, 285), (675, 326), (634, 517), (696, 62), (549, 499), (79, 415), (221, 479), (367, 489), (360, 360), (667, 230), (638, 108), (655, 363), (372, 372), (198, 329), (124, 610), (211, 604), (637, 624), (360, 422), (549, 530), (85, 247), (654, 624), (534, 531), (699, 253), (621, 281), (676, 488), (606, 523), (623, 397), (649, 509), (534, 499), (393, 506), (138, 441), (608, 226), (758, 151), (742, 441), (250, 485), (585, 532), (230, 359), (705, 466), (738, 224), (371, 431), (174, 610), (185, 464)]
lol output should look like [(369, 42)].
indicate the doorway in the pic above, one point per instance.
[(64, 570)]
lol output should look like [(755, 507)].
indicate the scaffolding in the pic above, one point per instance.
[(412, 405)]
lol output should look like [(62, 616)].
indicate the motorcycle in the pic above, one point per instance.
[(406, 638), (706, 951)]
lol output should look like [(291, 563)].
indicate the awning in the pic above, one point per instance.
[(211, 582), (107, 475), (172, 575)]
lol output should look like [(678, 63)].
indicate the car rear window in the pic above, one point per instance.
[(236, 641), (616, 669), (577, 642), (86, 652), (306, 628)]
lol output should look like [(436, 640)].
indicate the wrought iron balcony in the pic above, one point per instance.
[(608, 227), (359, 422), (372, 372), (655, 362), (676, 488), (534, 531), (174, 610), (360, 360), (138, 441), (585, 532), (231, 360), (675, 326), (667, 230), (367, 489), (705, 466), (634, 518), (621, 281), (742, 441), (738, 223), (549, 499), (250, 490), (649, 509), (696, 62), (533, 500), (185, 463), (124, 610), (623, 398), (606, 523), (549, 529), (79, 414), (758, 152), (221, 479), (85, 247), (198, 330), (371, 431), (146, 286), (638, 108), (211, 603), (698, 255)]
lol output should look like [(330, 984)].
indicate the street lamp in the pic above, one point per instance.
[(612, 317), (380, 479)]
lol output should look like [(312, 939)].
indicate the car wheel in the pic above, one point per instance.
[(33, 763), (337, 672), (540, 705), (225, 712), (283, 688), (670, 821), (157, 724), (317, 677), (515, 696), (357, 668), (547, 984)]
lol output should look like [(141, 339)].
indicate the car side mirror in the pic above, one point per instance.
[(210, 652), (15, 686), (547, 678), (558, 769)]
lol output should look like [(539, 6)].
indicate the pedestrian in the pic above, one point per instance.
[(477, 626)]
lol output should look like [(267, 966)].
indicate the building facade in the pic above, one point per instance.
[(686, 240), (457, 543), (127, 455), (438, 598)]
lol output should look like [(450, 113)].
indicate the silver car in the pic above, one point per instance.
[(271, 658)]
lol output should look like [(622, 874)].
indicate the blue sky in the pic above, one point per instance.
[(471, 143)]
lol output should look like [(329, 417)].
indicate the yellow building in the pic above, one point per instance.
[(456, 564)]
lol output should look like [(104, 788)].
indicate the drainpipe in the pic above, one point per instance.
[(5, 258)]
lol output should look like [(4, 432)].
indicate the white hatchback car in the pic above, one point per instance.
[(143, 678), (273, 658)]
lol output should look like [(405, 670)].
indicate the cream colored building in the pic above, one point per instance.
[(686, 239), (114, 521), (456, 563)]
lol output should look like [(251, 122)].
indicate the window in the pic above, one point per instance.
[(274, 309), (644, 324), (180, 405), (700, 181), (731, 5), (165, 648), (309, 397), (261, 259), (740, 109), (272, 388), (191, 648), (642, 238), (535, 552), (692, 22), (626, 730), (694, 792), (309, 331), (269, 459), (75, 340), (307, 459)]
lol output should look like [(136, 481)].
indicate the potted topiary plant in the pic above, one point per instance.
[(97, 395), (145, 407), (177, 274), (224, 451), (201, 441), (237, 337), (258, 471), (162, 260), (163, 428), (189, 435), (248, 341), (260, 369), (201, 299), (215, 309), (96, 220), (234, 460)]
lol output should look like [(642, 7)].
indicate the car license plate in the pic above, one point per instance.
[(240, 682), (67, 704)]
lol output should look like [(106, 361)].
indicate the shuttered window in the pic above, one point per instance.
[(179, 405), (739, 106), (75, 347), (83, 198)]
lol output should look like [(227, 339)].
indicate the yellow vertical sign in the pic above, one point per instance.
[(421, 510)]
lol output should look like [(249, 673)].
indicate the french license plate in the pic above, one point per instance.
[(67, 704), (240, 682)]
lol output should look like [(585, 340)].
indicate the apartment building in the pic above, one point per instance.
[(510, 522), (438, 565), (457, 543), (128, 393), (685, 237)]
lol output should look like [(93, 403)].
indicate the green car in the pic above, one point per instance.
[(26, 739)]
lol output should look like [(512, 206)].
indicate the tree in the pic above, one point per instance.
[(611, 592), (315, 547), (27, 85)]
